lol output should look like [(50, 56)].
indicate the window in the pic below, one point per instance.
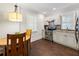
[(31, 22), (67, 22)]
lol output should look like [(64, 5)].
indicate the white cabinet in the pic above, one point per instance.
[(57, 37), (66, 38)]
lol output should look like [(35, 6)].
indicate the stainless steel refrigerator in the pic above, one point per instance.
[(77, 32)]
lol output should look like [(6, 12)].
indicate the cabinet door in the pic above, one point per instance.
[(55, 36), (58, 37), (71, 42), (65, 38)]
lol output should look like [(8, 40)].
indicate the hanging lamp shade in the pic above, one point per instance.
[(15, 16)]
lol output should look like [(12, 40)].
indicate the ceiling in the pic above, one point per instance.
[(43, 8)]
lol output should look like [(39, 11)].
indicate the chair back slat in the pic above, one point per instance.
[(15, 44)]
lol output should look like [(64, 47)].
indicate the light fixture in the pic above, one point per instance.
[(54, 8), (15, 16)]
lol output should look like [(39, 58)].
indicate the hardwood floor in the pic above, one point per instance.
[(46, 48)]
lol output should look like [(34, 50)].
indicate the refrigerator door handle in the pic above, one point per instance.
[(76, 31)]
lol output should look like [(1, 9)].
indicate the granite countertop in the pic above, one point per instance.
[(68, 31)]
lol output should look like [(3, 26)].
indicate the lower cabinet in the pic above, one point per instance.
[(66, 38)]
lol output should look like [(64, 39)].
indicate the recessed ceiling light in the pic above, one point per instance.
[(54, 8), (44, 12)]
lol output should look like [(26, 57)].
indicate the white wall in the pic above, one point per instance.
[(7, 26), (38, 24), (55, 17), (12, 27)]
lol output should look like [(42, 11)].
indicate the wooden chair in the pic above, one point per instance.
[(15, 44), (28, 34)]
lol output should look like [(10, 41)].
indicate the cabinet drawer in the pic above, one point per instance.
[(65, 38), (58, 37)]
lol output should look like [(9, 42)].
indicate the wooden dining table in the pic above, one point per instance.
[(3, 41)]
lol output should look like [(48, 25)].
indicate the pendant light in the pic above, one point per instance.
[(15, 16)]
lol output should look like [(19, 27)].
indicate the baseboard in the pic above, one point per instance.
[(66, 46), (35, 40)]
